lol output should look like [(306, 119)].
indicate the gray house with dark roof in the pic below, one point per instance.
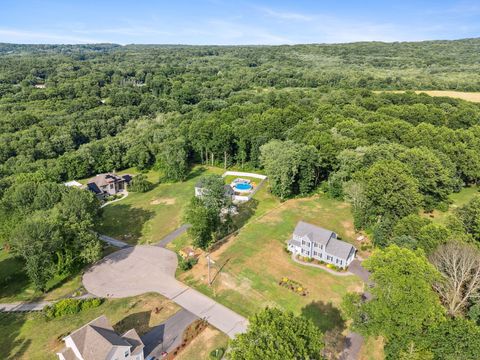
[(97, 340), (107, 184), (312, 241)]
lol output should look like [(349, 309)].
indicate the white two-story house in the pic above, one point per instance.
[(318, 243)]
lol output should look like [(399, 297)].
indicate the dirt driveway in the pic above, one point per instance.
[(140, 269)]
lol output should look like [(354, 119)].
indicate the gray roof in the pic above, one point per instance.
[(294, 242), (133, 339), (68, 354), (314, 233), (108, 178), (333, 246), (97, 339), (340, 249)]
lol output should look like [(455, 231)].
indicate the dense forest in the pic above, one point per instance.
[(307, 115)]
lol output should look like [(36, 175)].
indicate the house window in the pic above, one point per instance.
[(314, 253), (341, 262), (127, 353), (111, 186), (321, 247), (315, 245), (303, 242)]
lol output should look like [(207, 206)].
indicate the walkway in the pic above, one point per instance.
[(113, 242), (35, 306), (333, 272), (145, 268), (168, 335), (173, 235), (125, 194), (353, 341), (24, 306)]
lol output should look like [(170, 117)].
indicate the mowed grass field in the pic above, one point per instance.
[(249, 266), (468, 96), (31, 336), (458, 199), (144, 218)]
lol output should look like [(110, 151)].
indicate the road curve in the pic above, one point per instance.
[(144, 268)]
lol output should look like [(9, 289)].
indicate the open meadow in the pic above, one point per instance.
[(249, 266), (468, 96), (145, 218)]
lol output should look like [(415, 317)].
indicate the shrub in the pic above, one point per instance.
[(217, 354), (186, 264), (140, 184), (70, 307)]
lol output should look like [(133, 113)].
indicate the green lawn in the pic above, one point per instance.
[(458, 199), (253, 262), (148, 217), (200, 348), (15, 285), (31, 336)]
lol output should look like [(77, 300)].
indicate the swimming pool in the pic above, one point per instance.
[(242, 187)]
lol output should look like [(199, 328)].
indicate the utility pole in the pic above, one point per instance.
[(208, 262)]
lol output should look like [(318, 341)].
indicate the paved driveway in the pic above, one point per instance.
[(167, 336), (173, 235), (143, 268)]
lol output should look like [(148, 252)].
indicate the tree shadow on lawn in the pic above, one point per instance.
[(13, 278), (124, 222), (197, 171), (324, 315), (13, 346), (245, 212), (139, 321)]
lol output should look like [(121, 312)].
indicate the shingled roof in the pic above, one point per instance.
[(97, 340), (328, 238)]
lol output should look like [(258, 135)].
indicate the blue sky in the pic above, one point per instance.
[(235, 22)]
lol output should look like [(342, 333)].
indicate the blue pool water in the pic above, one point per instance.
[(243, 186)]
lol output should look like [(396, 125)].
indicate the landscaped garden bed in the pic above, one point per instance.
[(191, 332), (322, 263), (293, 285)]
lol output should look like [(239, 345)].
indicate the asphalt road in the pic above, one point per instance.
[(144, 268), (173, 235)]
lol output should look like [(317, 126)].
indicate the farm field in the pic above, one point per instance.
[(21, 338), (251, 263), (468, 96)]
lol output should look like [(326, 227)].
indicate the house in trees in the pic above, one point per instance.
[(104, 185), (312, 241), (98, 340), (200, 189)]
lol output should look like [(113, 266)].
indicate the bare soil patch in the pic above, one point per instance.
[(163, 201)]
